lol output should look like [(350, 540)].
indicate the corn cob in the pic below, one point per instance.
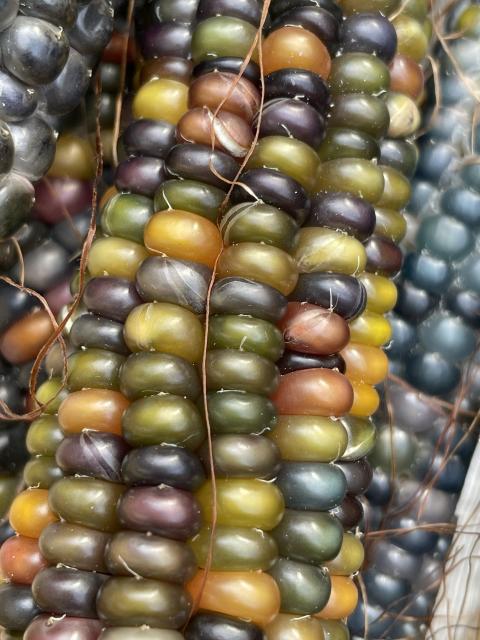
[(91, 422), (25, 327), (388, 190), (274, 162), (48, 51), (434, 333)]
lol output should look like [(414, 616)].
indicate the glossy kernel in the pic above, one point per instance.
[(445, 237), (259, 222), (365, 400), (396, 189), (94, 368), (343, 599), (50, 395), (313, 392), (161, 510), (41, 472), (222, 36), (294, 47), (292, 118), (304, 589), (66, 591), (17, 608), (294, 360), (342, 212), (44, 435), (347, 143), (412, 40), (20, 559), (183, 235), (148, 373), (240, 371), (190, 195), (365, 363), (361, 437), (243, 456), (30, 512), (92, 453), (362, 112), (259, 262), (165, 327), (163, 419), (226, 131), (168, 464), (162, 99), (390, 224), (125, 216), (92, 331), (23, 340), (115, 257), (405, 116), (353, 175), (74, 158), (132, 601), (309, 438), (242, 296), (180, 282), (245, 334), (311, 486), (243, 503), (150, 556), (236, 549), (311, 329), (87, 501), (321, 249), (75, 546), (358, 73), (371, 329), (401, 154), (287, 155), (111, 298), (226, 90), (308, 536), (381, 292), (170, 67), (274, 188), (96, 409), (250, 595), (406, 76), (240, 412), (316, 288), (350, 557)]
